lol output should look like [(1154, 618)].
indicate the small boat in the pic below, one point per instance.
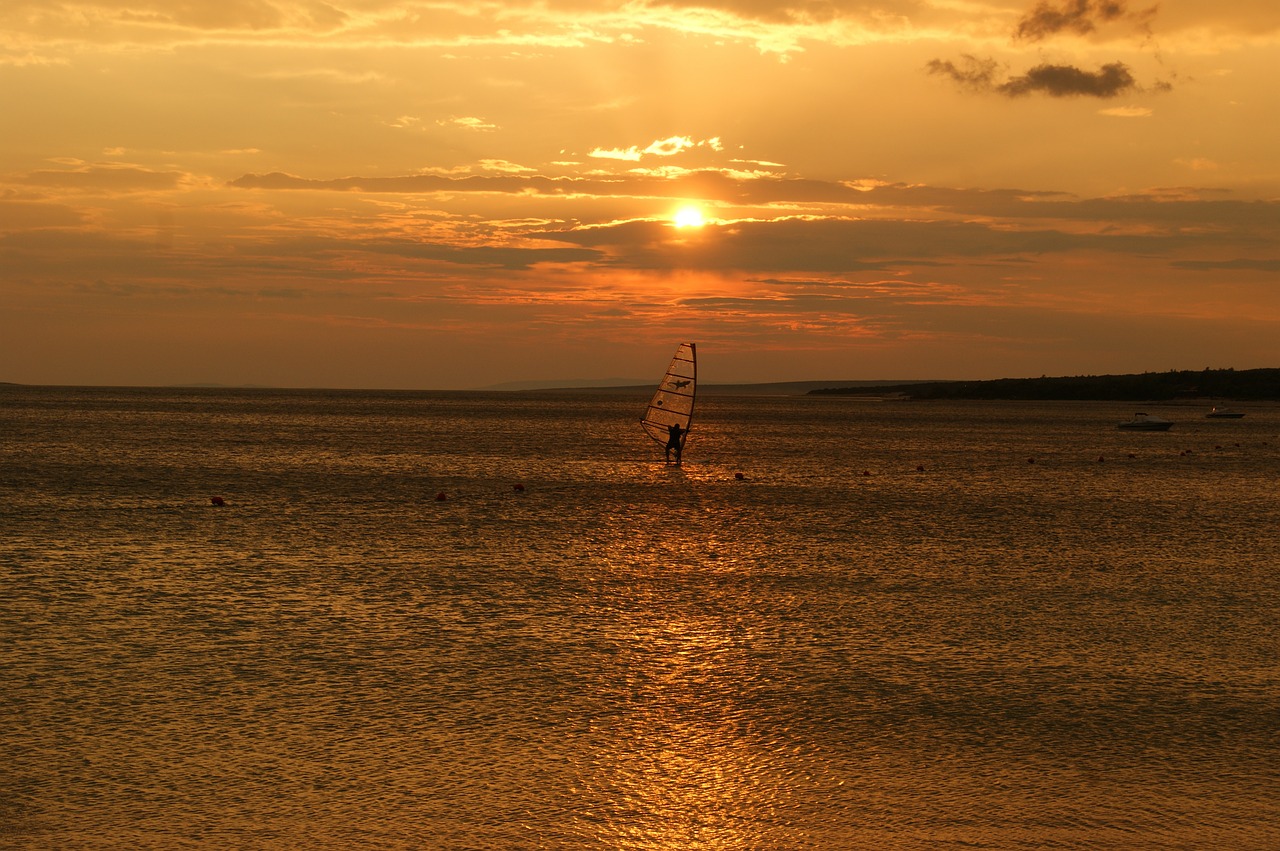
[(1146, 422), (670, 412), (1224, 414)]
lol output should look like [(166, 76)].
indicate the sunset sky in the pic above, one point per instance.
[(450, 195)]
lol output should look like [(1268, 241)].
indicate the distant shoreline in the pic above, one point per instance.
[(1254, 385)]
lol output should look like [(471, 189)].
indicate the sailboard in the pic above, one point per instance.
[(672, 402)]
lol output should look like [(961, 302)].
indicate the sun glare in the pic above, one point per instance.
[(689, 217)]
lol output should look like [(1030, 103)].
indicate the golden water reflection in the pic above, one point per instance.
[(698, 754)]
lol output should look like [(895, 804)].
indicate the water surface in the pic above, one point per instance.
[(906, 626)]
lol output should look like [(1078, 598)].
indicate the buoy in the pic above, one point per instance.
[(217, 500), (518, 487), (739, 476), (866, 472), (919, 468), (1101, 459), (1031, 460), (440, 497)]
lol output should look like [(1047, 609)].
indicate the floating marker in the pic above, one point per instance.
[(518, 487), (919, 468), (217, 500), (440, 497), (739, 476)]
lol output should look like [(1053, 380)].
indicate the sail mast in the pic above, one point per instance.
[(672, 403)]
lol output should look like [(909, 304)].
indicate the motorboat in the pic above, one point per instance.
[(1224, 414), (1146, 422)]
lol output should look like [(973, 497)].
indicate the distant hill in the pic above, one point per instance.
[(1243, 385)]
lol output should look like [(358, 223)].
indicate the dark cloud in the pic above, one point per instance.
[(1053, 80), (1078, 16), (1068, 81), (972, 72)]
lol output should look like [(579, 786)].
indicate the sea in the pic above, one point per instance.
[(500, 621)]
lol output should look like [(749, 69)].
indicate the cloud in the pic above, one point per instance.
[(1053, 80), (24, 215), (1068, 81), (837, 245), (1127, 112), (767, 195), (1078, 16), (250, 15), (467, 122), (972, 72), (667, 147), (114, 178), (1270, 266), (482, 256), (631, 154)]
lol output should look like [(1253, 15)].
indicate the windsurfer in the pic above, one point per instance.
[(674, 433)]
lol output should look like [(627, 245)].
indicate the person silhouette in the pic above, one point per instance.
[(674, 435)]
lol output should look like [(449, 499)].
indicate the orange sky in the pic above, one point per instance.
[(366, 193)]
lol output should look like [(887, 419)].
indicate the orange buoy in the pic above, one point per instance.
[(919, 468), (217, 500), (440, 497), (518, 487)]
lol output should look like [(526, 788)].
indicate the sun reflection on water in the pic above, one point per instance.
[(689, 762)]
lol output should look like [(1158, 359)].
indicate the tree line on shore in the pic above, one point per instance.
[(1243, 385)]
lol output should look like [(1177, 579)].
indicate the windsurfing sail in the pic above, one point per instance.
[(672, 403)]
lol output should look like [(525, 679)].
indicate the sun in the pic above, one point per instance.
[(688, 217)]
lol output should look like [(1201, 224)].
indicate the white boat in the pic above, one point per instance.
[(1224, 414), (670, 411), (1146, 422)]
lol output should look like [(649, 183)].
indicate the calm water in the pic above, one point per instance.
[(1054, 635)]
